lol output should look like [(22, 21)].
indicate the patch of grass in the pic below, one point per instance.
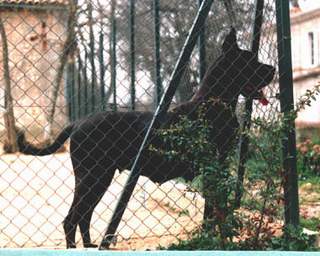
[(293, 239), (201, 241)]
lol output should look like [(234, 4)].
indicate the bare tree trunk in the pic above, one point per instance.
[(68, 48), (9, 120)]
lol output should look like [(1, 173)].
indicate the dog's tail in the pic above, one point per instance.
[(29, 149)]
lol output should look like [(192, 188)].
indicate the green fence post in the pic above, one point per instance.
[(91, 58), (80, 86), (113, 46), (102, 68), (291, 195), (132, 53), (202, 49), (85, 83), (156, 15)]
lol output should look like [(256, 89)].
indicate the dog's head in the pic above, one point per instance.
[(235, 72), (248, 75)]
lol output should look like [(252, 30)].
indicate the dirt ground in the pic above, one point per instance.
[(310, 201), (36, 192)]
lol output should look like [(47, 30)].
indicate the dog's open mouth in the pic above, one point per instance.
[(263, 100), (251, 92), (261, 97)]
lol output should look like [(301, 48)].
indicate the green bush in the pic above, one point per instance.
[(293, 240), (190, 141)]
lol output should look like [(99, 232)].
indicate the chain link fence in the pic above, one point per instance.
[(70, 60)]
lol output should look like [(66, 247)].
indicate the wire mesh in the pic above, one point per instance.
[(71, 60)]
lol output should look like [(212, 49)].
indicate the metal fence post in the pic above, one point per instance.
[(156, 120), (113, 51), (132, 52), (202, 49), (86, 83), (80, 85), (156, 14), (291, 195), (102, 68), (91, 58)]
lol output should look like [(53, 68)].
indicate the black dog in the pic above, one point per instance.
[(104, 142)]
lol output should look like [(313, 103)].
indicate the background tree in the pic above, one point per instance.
[(176, 20), (9, 119), (67, 52), (103, 35)]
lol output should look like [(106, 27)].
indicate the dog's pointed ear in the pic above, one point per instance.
[(230, 42)]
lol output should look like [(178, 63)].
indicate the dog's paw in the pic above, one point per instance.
[(71, 246), (90, 245)]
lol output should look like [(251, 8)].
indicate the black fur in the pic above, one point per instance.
[(107, 141)]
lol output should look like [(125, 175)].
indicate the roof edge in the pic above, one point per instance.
[(44, 6), (304, 16)]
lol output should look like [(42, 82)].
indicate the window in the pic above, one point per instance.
[(311, 47)]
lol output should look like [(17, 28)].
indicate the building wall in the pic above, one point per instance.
[(33, 63), (310, 117), (305, 33)]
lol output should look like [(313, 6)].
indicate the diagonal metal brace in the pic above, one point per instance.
[(156, 120), (244, 139)]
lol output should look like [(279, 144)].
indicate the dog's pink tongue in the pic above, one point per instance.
[(263, 100)]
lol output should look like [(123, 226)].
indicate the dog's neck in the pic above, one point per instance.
[(212, 85)]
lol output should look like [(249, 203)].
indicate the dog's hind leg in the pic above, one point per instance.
[(94, 197), (69, 229), (88, 194)]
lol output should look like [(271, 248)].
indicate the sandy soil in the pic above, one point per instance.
[(36, 192)]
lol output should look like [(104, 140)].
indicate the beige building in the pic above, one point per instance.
[(305, 33), (36, 31)]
